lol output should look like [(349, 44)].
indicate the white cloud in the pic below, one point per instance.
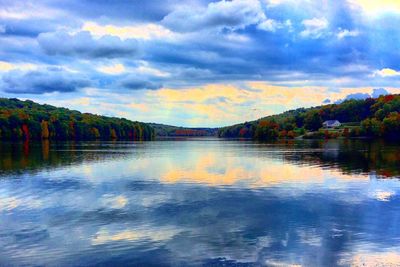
[(142, 31), (112, 69), (27, 10), (152, 71), (314, 28), (346, 33), (373, 7), (272, 25), (269, 25), (386, 72), (234, 37), (7, 66), (273, 3), (145, 68)]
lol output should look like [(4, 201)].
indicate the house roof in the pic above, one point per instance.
[(331, 122)]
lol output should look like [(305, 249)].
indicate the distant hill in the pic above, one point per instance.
[(29, 120), (372, 117), (168, 130)]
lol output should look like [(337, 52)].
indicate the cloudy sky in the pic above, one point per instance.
[(197, 62)]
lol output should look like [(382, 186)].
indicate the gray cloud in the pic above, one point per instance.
[(359, 96), (378, 92), (26, 28), (153, 10), (35, 82), (225, 43), (83, 44), (224, 14), (133, 83)]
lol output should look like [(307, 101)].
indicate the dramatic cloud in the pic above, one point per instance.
[(198, 62), (35, 82), (26, 28), (236, 14), (83, 44), (124, 11)]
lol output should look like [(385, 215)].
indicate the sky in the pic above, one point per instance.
[(198, 62)]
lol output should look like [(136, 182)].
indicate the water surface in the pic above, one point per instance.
[(200, 202)]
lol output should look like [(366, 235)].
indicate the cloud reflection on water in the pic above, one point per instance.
[(197, 202)]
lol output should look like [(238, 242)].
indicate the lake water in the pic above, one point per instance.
[(200, 202)]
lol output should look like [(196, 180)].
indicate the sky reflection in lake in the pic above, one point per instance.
[(200, 202)]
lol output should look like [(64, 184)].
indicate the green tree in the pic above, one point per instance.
[(313, 121)]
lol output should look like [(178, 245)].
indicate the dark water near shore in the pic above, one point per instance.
[(200, 202)]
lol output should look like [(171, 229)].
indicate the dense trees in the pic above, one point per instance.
[(379, 117), (29, 120), (391, 124), (168, 130), (313, 120), (267, 130)]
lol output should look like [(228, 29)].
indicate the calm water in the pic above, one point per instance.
[(200, 202)]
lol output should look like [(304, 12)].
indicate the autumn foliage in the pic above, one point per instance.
[(28, 120), (372, 117)]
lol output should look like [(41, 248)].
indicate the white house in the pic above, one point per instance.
[(331, 124)]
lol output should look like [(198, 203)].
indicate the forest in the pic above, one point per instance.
[(26, 120), (163, 130), (369, 118)]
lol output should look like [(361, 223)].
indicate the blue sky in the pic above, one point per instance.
[(197, 63)]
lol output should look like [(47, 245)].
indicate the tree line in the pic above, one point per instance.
[(26, 120), (163, 130), (372, 117)]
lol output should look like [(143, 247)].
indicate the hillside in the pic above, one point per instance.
[(372, 117), (29, 120), (163, 130)]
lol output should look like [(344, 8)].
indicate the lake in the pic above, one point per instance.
[(201, 201)]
